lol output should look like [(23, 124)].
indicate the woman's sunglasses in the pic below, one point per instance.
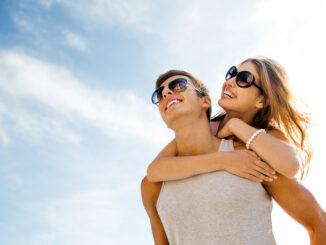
[(244, 79), (177, 85)]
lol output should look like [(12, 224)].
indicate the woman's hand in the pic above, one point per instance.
[(247, 164), (272, 147), (226, 130)]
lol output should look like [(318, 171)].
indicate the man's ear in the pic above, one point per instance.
[(206, 102)]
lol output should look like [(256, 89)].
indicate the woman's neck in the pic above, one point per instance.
[(230, 115)]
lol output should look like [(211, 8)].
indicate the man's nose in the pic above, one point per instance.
[(166, 91)]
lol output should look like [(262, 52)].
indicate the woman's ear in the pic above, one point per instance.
[(261, 101)]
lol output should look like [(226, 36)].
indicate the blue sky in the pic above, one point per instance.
[(77, 129)]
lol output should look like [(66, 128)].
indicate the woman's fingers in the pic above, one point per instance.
[(259, 175), (267, 170), (259, 166), (251, 167), (265, 166), (252, 177)]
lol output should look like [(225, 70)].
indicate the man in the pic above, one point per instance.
[(184, 109)]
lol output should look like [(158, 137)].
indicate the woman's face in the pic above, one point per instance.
[(242, 100)]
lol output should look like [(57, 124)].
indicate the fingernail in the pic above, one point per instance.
[(270, 179), (274, 172), (275, 177)]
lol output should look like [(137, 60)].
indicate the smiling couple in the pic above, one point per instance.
[(213, 183)]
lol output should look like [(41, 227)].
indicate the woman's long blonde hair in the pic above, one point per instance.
[(280, 111)]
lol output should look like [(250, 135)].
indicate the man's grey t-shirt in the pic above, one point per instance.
[(216, 208)]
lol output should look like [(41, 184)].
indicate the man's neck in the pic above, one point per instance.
[(195, 138)]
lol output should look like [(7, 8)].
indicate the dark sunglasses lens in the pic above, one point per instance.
[(231, 73), (157, 95), (244, 79), (177, 85)]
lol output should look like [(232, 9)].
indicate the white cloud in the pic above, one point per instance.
[(46, 3), (187, 35), (89, 217), (21, 21), (75, 40), (45, 238), (118, 114), (106, 12), (3, 135), (8, 173), (21, 119)]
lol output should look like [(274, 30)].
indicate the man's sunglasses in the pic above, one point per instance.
[(177, 85), (244, 79)]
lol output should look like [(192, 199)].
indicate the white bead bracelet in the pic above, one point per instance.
[(253, 136)]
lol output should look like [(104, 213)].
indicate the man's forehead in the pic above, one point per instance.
[(166, 82)]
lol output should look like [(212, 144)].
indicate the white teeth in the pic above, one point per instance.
[(228, 94), (172, 102)]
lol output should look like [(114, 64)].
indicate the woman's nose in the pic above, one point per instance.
[(230, 82)]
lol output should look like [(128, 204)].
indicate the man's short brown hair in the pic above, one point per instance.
[(199, 85)]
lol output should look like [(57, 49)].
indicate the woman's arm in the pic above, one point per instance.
[(301, 205), (168, 166), (272, 147)]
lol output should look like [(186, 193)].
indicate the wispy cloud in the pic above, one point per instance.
[(7, 171), (107, 12), (22, 22), (17, 118), (89, 217), (45, 238), (46, 3), (3, 135), (75, 40), (188, 34), (58, 93)]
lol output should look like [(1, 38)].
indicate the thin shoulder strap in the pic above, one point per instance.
[(229, 145), (221, 147)]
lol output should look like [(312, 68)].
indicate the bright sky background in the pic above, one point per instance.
[(77, 128)]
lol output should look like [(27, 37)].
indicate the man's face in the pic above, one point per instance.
[(178, 107)]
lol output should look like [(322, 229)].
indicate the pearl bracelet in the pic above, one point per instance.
[(253, 136)]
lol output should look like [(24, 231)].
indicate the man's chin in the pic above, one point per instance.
[(171, 120), (174, 121)]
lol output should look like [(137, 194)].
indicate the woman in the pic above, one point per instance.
[(254, 95)]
